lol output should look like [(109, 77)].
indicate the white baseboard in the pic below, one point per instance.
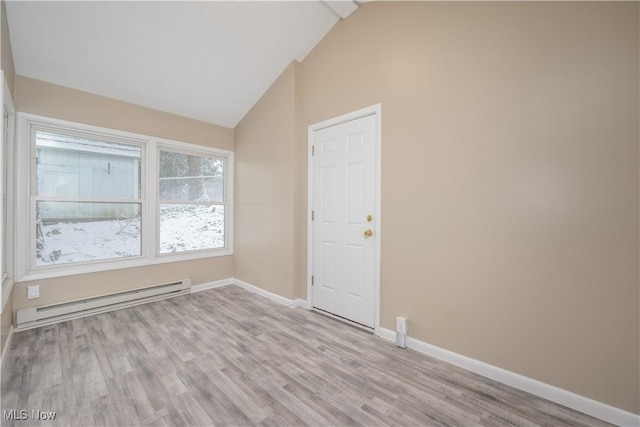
[(387, 334), (263, 293), (211, 285), (299, 302), (563, 397), (5, 350)]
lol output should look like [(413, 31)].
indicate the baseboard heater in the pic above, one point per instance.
[(54, 313)]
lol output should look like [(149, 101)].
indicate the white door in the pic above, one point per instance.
[(344, 168)]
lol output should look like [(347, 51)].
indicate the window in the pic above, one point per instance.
[(97, 199), (87, 198), (191, 202)]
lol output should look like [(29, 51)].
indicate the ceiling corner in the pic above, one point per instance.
[(342, 8)]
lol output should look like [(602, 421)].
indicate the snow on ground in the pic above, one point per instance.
[(182, 228), (191, 227)]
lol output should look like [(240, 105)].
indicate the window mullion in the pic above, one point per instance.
[(194, 202), (150, 232), (85, 200)]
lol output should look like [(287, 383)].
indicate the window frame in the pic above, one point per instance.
[(149, 199), (7, 214)]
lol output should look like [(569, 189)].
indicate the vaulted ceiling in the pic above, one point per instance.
[(206, 60)]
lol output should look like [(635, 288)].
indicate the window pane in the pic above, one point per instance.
[(190, 178), (191, 227), (68, 232), (70, 166)]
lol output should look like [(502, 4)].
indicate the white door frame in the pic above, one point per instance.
[(374, 110)]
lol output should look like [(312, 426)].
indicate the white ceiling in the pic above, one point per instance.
[(206, 60)]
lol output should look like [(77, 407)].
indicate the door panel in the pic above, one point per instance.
[(328, 262), (355, 197), (328, 194), (344, 195), (355, 262)]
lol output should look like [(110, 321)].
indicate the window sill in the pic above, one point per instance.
[(119, 265)]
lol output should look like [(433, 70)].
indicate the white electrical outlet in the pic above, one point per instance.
[(33, 292)]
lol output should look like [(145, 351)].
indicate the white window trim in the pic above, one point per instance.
[(7, 276), (150, 248)]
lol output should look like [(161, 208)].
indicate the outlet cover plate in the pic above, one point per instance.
[(33, 292)]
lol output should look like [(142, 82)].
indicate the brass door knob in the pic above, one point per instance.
[(368, 233)]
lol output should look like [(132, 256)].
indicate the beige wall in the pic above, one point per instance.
[(86, 285), (264, 182), (37, 97), (46, 99), (509, 178), (6, 54)]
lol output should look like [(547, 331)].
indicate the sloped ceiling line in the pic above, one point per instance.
[(209, 61)]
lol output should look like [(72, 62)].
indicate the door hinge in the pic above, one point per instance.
[(313, 150), (311, 280), (313, 216)]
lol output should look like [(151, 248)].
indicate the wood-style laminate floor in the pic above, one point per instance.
[(228, 357)]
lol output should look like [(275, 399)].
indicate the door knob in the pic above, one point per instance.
[(368, 233)]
